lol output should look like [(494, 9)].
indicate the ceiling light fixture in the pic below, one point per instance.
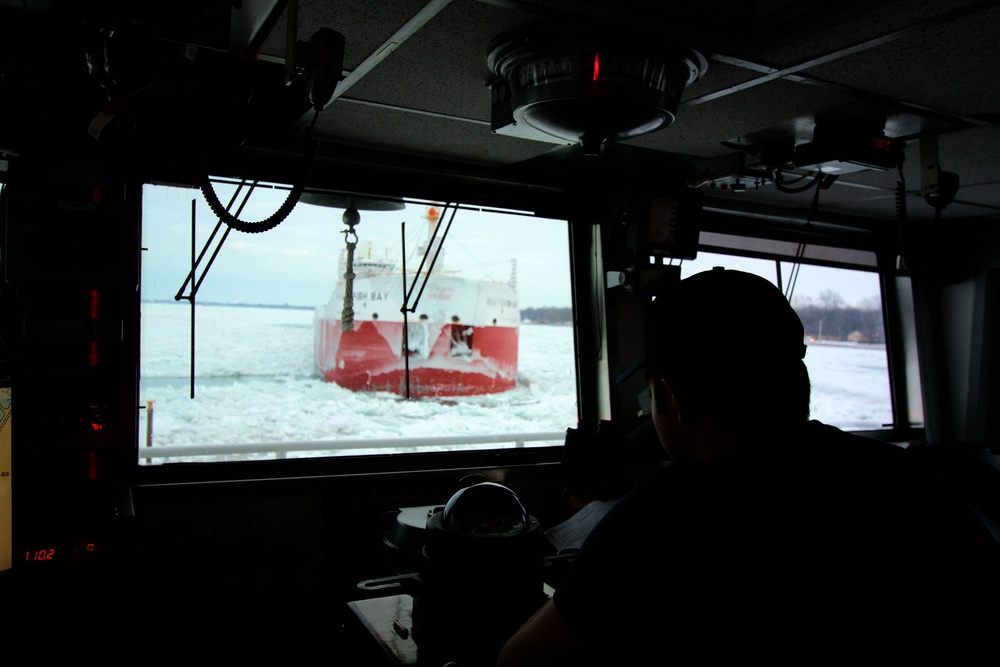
[(587, 85)]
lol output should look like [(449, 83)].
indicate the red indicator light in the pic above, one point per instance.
[(881, 143), (95, 353), (95, 299), (597, 65), (96, 424)]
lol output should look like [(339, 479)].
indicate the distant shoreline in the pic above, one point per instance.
[(564, 321), (233, 305), (843, 343)]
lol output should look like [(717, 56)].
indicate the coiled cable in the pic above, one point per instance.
[(283, 211)]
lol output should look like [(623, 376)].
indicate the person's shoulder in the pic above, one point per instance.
[(673, 479), (906, 482), (818, 431), (693, 495), (831, 441), (841, 457), (663, 490)]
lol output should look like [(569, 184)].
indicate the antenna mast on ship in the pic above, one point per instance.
[(433, 217)]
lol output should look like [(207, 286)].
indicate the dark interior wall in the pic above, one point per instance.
[(237, 574), (245, 570)]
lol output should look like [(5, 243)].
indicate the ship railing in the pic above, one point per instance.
[(281, 450)]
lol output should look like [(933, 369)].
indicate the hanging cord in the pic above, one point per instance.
[(902, 221), (351, 218), (822, 182), (205, 184), (793, 276), (598, 314), (901, 216), (283, 211), (783, 186)]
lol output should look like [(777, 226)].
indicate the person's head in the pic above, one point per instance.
[(454, 318), (423, 318), (724, 352)]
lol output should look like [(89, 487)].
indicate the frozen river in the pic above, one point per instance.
[(255, 384)]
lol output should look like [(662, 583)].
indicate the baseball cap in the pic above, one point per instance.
[(721, 318)]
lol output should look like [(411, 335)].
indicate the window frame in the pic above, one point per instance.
[(840, 241)]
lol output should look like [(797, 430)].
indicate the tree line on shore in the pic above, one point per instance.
[(827, 317), (547, 315)]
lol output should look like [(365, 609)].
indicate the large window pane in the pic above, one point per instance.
[(274, 365)]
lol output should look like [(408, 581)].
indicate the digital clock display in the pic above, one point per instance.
[(72, 550), (40, 554)]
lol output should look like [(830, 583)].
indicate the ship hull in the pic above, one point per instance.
[(364, 360), (440, 357)]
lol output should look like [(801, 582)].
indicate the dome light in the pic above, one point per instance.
[(588, 86)]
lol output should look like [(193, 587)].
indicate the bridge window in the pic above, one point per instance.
[(282, 364)]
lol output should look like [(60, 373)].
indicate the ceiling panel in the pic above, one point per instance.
[(926, 68), (418, 134), (949, 67), (365, 25), (442, 68)]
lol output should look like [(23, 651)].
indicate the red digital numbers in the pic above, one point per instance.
[(41, 554)]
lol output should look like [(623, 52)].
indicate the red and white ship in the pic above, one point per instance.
[(462, 340)]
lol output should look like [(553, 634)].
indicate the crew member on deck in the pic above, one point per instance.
[(461, 338), (418, 339)]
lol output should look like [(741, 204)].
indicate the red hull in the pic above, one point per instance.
[(366, 360)]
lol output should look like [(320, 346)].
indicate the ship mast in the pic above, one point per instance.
[(433, 217)]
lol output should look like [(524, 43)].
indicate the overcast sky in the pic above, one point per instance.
[(296, 263), (856, 288)]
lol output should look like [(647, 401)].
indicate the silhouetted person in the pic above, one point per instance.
[(768, 535)]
